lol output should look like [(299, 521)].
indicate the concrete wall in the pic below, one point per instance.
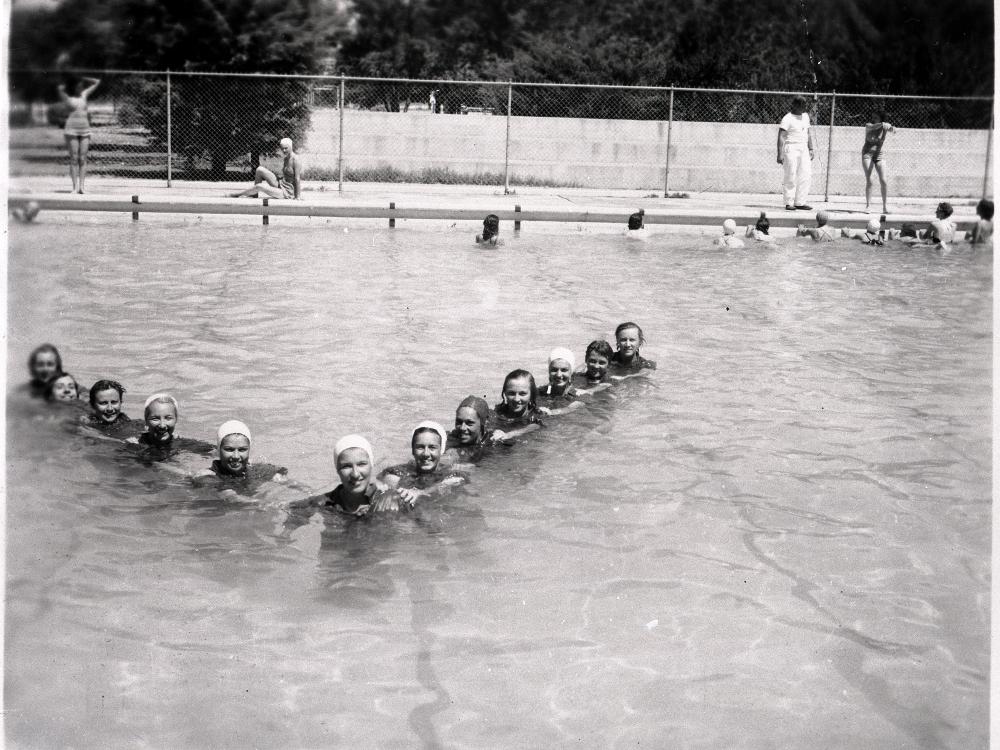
[(704, 156)]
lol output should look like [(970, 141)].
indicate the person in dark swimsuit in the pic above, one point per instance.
[(627, 359), (871, 156), (268, 185)]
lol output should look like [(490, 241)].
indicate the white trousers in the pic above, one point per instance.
[(798, 174)]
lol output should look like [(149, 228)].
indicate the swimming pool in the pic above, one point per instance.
[(780, 540)]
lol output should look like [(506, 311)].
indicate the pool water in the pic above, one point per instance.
[(781, 539)]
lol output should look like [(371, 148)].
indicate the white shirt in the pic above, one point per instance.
[(796, 129)]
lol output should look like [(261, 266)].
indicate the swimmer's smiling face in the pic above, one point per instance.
[(468, 426), (560, 373), (234, 453), (597, 366), (45, 366), (64, 389), (107, 404), (355, 471), (161, 419), (517, 395), (628, 342), (426, 449)]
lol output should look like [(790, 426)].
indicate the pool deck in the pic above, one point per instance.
[(467, 202)]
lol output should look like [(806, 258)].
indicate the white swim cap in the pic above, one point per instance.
[(234, 427), (873, 226), (729, 226), (160, 397), (352, 441), (561, 352), (429, 425), (285, 143)]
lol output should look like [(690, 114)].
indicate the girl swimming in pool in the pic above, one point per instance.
[(44, 365), (468, 441), (559, 394), (518, 408), (62, 388), (232, 470), (106, 397), (425, 475), (357, 494), (159, 442), (627, 359), (594, 375)]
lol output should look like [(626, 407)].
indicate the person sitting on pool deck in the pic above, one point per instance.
[(870, 235), (822, 232), (266, 184), (982, 232), (729, 238)]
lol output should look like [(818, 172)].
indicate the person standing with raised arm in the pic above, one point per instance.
[(871, 156), (77, 129), (795, 153)]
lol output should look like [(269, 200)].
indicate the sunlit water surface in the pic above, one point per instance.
[(781, 540)]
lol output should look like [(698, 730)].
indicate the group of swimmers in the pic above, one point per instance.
[(940, 232), (440, 458)]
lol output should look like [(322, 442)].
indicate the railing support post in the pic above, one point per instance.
[(506, 153), (829, 146), (989, 153), (340, 148), (670, 127), (169, 135)]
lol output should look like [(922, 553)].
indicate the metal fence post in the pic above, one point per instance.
[(670, 126), (829, 146), (340, 149), (506, 153), (169, 138), (989, 150)]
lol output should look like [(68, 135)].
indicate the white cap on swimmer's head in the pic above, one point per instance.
[(729, 227), (561, 352), (234, 427), (873, 226), (352, 441), (822, 217), (434, 426), (160, 397), (285, 143)]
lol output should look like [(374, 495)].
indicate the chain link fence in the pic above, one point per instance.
[(205, 126)]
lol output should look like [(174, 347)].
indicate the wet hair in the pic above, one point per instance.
[(491, 227), (624, 327), (602, 347), (985, 209), (635, 220), (39, 350), (945, 208), (421, 431), (50, 387), (514, 375), (481, 408), (762, 225), (105, 385)]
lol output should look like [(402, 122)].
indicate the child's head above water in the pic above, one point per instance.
[(234, 447), (561, 366), (62, 388), (822, 217), (427, 443), (729, 227), (106, 399), (519, 393), (354, 460), (873, 226), (944, 210), (984, 209), (471, 420), (44, 363), (160, 413), (598, 357), (763, 225), (629, 338)]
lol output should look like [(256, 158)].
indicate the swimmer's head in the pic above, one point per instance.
[(561, 366), (729, 227), (491, 226), (44, 363), (907, 230), (106, 399), (635, 220), (597, 359), (62, 388), (985, 209), (234, 447), (354, 460), (519, 392), (628, 337), (944, 210), (160, 413), (873, 226), (427, 443), (285, 144), (822, 217), (471, 420), (763, 225)]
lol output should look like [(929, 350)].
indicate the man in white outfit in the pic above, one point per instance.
[(795, 152)]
